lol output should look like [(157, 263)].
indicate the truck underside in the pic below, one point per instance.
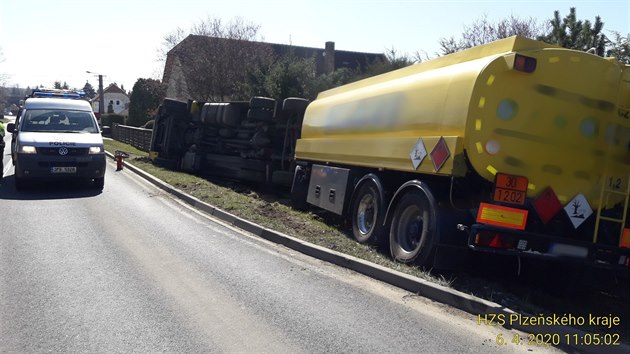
[(247, 141)]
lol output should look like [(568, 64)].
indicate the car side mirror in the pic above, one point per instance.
[(11, 127)]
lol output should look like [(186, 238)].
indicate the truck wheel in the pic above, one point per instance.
[(175, 106), (413, 229), (367, 214), (262, 102), (227, 133), (294, 104), (230, 116), (257, 114)]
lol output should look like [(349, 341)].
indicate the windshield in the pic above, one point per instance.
[(47, 120)]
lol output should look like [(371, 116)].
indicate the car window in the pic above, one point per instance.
[(43, 120)]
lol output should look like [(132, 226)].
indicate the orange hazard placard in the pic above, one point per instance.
[(510, 189)]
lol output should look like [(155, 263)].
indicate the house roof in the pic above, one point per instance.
[(112, 88), (342, 58), (300, 51)]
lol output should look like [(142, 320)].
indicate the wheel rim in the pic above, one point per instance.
[(411, 229), (365, 214)]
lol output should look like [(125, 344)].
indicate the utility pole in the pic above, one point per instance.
[(101, 102)]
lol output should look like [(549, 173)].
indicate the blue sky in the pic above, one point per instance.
[(45, 41)]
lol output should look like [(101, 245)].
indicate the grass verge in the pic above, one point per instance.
[(271, 212)]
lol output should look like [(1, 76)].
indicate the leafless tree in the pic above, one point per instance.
[(236, 28), (483, 31), (619, 47), (3, 76), (3, 80), (215, 57)]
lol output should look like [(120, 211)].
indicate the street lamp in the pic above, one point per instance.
[(101, 103)]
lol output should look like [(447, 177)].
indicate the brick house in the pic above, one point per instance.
[(327, 59)]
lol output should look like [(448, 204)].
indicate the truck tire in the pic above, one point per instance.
[(414, 228), (230, 116), (257, 114), (368, 214), (262, 102), (209, 113), (227, 133), (175, 106), (243, 135), (294, 104)]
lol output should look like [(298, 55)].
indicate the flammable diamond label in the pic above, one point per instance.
[(440, 154), (418, 153), (547, 205), (578, 210)]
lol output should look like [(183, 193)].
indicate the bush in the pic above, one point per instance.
[(109, 119), (146, 96)]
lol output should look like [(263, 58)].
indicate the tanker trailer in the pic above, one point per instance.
[(514, 147)]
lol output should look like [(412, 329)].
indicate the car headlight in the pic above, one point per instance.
[(27, 149), (95, 150)]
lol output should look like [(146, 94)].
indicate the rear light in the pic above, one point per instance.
[(624, 241), (495, 240), (483, 238), (524, 64)]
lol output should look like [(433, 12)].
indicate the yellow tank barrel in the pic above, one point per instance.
[(517, 106)]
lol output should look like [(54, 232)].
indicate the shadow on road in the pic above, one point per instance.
[(47, 190)]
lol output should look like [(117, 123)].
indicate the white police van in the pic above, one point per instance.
[(57, 136)]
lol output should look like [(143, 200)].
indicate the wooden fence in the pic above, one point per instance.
[(139, 138)]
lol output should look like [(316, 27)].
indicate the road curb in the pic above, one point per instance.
[(435, 292)]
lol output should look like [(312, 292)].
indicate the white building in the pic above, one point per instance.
[(113, 96)]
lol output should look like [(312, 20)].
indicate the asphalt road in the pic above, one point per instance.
[(132, 270)]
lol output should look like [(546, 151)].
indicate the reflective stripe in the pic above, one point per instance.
[(502, 216)]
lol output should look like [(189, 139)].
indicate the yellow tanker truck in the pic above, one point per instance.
[(513, 147)]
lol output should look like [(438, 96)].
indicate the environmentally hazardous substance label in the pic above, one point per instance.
[(578, 210)]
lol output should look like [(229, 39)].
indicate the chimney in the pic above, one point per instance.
[(329, 57)]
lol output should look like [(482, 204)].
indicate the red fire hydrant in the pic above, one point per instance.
[(120, 155)]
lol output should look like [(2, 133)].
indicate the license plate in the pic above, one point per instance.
[(63, 170)]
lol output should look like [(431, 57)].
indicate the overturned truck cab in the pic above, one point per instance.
[(250, 141)]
